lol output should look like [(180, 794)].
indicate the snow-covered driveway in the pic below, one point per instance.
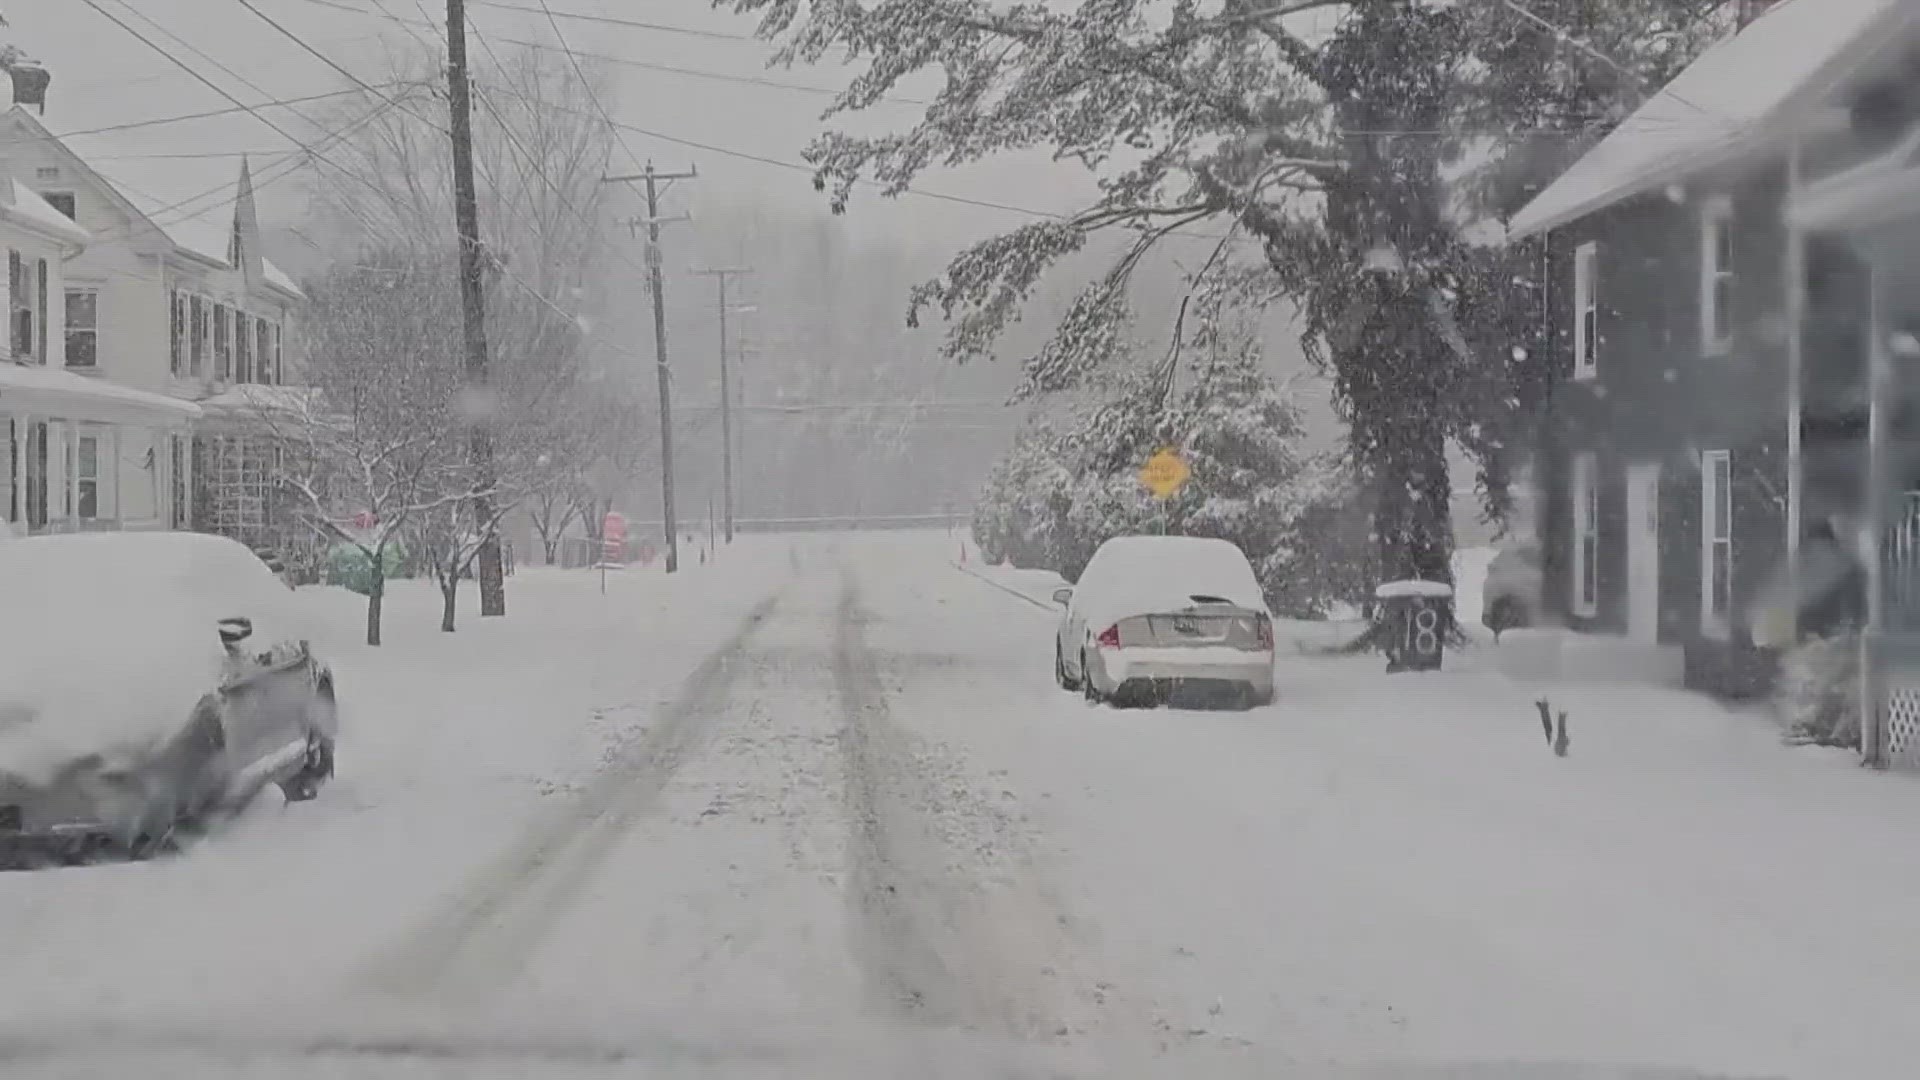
[(829, 780)]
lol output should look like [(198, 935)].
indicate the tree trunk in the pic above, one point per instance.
[(376, 595), (449, 597), (551, 545), (492, 575)]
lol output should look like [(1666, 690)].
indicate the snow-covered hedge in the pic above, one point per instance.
[(1818, 694)]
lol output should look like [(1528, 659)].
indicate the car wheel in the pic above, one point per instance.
[(1060, 675), (1087, 685), (305, 784)]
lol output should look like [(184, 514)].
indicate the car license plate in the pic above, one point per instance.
[(1185, 625)]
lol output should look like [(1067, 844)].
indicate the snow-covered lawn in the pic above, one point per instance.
[(1399, 867)]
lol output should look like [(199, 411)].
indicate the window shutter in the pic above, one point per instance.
[(175, 331), (40, 311)]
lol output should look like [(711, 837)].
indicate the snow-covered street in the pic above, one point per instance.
[(829, 780)]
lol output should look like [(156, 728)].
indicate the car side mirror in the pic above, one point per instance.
[(1063, 597), (235, 630)]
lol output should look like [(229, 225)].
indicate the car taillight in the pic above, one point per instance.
[(1264, 627), (1109, 638)]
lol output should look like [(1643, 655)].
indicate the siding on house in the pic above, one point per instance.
[(1663, 393)]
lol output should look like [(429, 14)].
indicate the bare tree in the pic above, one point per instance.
[(365, 445), (540, 151)]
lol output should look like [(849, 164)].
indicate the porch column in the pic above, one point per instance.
[(17, 503), (72, 476), (113, 455), (1796, 284), (1879, 380)]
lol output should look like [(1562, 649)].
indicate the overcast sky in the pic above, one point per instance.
[(692, 80), (697, 80)]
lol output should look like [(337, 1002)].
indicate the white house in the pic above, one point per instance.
[(76, 451), (173, 304)]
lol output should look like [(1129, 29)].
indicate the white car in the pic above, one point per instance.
[(1152, 614)]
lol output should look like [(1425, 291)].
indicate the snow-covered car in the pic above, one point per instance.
[(1152, 614), (149, 682)]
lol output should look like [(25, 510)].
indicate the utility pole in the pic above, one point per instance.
[(653, 223), (726, 397), (466, 212)]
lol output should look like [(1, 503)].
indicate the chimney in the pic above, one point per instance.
[(1753, 9), (30, 83)]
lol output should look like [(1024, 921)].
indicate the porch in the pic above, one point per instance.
[(79, 454), (1861, 418), (234, 466)]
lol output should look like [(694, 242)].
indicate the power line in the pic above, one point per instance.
[(605, 20), (631, 24), (592, 95), (363, 85), (504, 126), (624, 61), (185, 117)]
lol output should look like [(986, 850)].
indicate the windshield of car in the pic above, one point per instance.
[(919, 538)]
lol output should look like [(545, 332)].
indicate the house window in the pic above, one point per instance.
[(41, 277), (1716, 540), (1717, 277), (222, 343), (177, 335), (20, 289), (264, 355), (1586, 536), (87, 477), (242, 347), (1586, 306), (61, 201), (83, 328)]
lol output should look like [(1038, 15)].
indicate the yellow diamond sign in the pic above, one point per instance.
[(1165, 473)]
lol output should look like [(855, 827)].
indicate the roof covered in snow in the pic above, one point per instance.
[(1721, 107), (191, 199), (34, 212), (76, 397)]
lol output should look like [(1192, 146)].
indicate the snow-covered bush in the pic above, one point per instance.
[(1064, 496), (1016, 518), (1326, 556), (1818, 693)]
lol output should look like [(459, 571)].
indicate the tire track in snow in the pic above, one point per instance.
[(944, 937), (486, 935)]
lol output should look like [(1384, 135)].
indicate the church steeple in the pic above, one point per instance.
[(243, 245)]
